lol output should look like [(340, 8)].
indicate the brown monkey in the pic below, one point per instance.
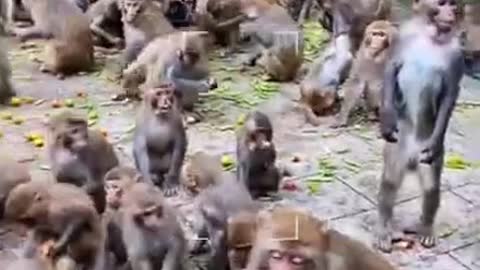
[(143, 21), (242, 229), (150, 227), (6, 88), (201, 171), (221, 18), (117, 181), (179, 58), (288, 238), (256, 155), (160, 141), (366, 76), (71, 49), (419, 94), (106, 22), (13, 174), (216, 205), (279, 39), (80, 156), (59, 212)]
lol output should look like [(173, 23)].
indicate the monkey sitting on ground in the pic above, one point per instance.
[(291, 239), (216, 205), (80, 156), (366, 76), (71, 49), (279, 39), (6, 88), (13, 174), (59, 212), (117, 181), (318, 90), (150, 227), (222, 19), (201, 171), (160, 141), (143, 21), (256, 155), (179, 58), (419, 95), (106, 23)]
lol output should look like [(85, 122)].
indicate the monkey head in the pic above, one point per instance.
[(28, 204), (117, 181), (191, 48), (378, 38), (292, 239), (145, 204), (444, 14), (162, 100), (320, 101), (241, 230), (131, 8), (69, 130)]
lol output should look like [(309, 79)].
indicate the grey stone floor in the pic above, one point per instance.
[(349, 201)]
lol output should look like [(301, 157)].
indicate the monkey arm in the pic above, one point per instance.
[(227, 24), (31, 33), (140, 155), (97, 30), (342, 18), (178, 155), (174, 255), (388, 117), (72, 231)]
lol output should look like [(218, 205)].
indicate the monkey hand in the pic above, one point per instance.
[(388, 125), (170, 185), (430, 151)]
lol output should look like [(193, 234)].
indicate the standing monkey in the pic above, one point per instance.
[(366, 76), (421, 88)]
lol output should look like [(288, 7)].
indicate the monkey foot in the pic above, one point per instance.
[(170, 190), (384, 241), (424, 233), (338, 124)]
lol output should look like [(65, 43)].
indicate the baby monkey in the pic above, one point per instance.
[(256, 155), (160, 141), (201, 171), (366, 76)]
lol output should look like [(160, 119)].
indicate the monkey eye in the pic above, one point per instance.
[(442, 2), (275, 254), (297, 260)]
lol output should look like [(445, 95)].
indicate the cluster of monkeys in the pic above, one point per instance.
[(102, 215)]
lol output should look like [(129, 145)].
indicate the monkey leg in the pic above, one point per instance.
[(373, 93), (430, 175), (31, 33), (97, 30), (394, 169), (353, 92)]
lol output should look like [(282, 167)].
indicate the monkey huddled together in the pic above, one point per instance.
[(100, 214)]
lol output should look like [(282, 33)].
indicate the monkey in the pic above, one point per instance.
[(117, 181), (419, 94), (216, 205), (150, 227), (221, 18), (201, 171), (241, 228), (78, 155), (319, 88), (6, 88), (256, 155), (160, 141), (28, 264), (13, 174), (366, 76), (289, 238), (106, 22), (59, 212), (143, 21), (179, 58), (71, 48), (472, 40), (279, 39)]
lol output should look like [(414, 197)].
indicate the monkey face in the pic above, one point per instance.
[(188, 57), (28, 204), (114, 194), (258, 140), (74, 137), (377, 40), (445, 15), (238, 257), (151, 217), (131, 8), (162, 99), (284, 260)]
